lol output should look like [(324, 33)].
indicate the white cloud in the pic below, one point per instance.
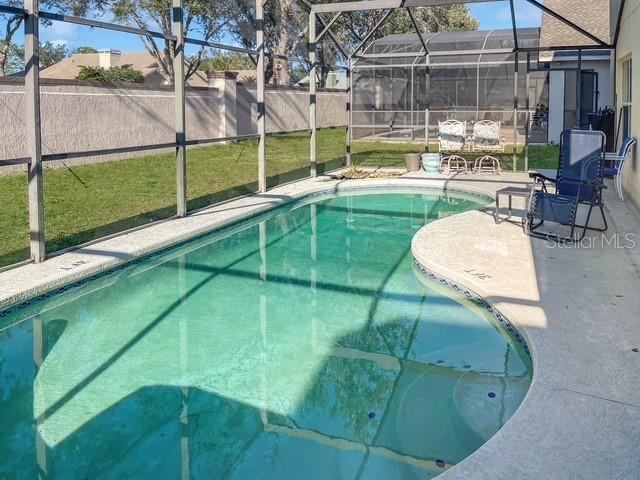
[(60, 33), (59, 42)]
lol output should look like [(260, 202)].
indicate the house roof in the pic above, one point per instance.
[(590, 15), (142, 61)]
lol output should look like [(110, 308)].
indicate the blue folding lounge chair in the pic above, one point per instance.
[(579, 181)]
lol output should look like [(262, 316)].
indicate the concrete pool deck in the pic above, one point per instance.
[(578, 308), (579, 311)]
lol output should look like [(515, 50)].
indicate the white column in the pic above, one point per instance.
[(226, 84)]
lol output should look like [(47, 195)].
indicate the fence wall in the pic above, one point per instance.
[(78, 117), (288, 109)]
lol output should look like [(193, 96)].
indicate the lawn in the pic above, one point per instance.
[(89, 202)]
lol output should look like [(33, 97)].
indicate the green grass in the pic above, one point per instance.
[(392, 155), (89, 202)]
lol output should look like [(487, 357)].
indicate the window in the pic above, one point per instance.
[(626, 97)]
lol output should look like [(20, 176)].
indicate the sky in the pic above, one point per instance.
[(492, 15)]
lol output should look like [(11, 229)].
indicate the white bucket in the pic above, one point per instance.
[(431, 162)]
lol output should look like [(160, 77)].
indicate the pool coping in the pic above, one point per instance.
[(509, 453)]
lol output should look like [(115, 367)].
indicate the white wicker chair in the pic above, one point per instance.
[(452, 136), (486, 139)]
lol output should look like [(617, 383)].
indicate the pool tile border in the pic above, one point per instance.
[(509, 328)]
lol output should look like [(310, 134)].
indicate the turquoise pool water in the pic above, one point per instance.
[(299, 344)]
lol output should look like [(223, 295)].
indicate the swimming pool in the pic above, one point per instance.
[(299, 344)]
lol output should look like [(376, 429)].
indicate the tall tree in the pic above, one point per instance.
[(286, 30), (52, 53), (226, 61), (7, 48), (84, 49), (202, 19), (10, 24), (285, 33), (13, 60)]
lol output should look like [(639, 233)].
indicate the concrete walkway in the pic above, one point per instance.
[(578, 308)]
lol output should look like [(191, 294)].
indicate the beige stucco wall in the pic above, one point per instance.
[(78, 118), (81, 117), (629, 46), (288, 109)]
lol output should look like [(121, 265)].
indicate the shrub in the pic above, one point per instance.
[(111, 74), (230, 61)]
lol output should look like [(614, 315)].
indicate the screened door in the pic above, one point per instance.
[(577, 107), (589, 99)]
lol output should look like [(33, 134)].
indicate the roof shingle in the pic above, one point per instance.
[(590, 15)]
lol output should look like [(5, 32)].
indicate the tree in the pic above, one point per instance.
[(229, 61), (7, 48), (111, 74), (286, 31), (13, 59), (201, 17), (85, 50), (52, 53), (10, 24)]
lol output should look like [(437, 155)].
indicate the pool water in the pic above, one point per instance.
[(299, 344)]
